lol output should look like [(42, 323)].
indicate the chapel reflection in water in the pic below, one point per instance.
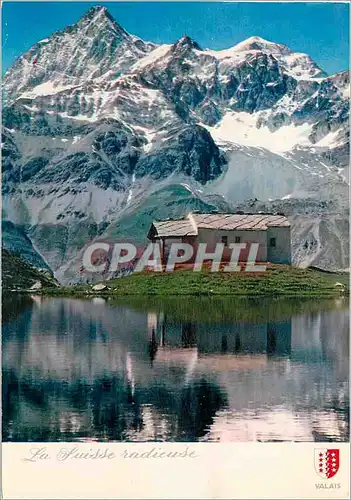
[(79, 369)]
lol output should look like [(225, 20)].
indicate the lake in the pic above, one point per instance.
[(189, 369)]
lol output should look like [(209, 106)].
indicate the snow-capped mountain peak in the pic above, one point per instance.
[(258, 43), (296, 64), (96, 19), (79, 53), (96, 11)]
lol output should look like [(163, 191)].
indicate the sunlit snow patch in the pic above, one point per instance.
[(47, 88), (241, 128)]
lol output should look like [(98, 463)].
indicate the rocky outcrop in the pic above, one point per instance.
[(18, 275)]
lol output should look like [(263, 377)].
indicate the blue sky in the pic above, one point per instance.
[(320, 29)]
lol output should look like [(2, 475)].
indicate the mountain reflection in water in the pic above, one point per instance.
[(193, 369)]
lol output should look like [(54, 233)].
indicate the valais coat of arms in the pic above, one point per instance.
[(326, 462)]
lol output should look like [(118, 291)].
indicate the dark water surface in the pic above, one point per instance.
[(187, 369)]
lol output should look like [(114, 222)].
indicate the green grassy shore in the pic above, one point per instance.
[(276, 281)]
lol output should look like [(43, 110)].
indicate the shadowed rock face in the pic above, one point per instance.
[(98, 124), (191, 152)]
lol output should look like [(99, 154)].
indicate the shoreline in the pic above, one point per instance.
[(277, 281)]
